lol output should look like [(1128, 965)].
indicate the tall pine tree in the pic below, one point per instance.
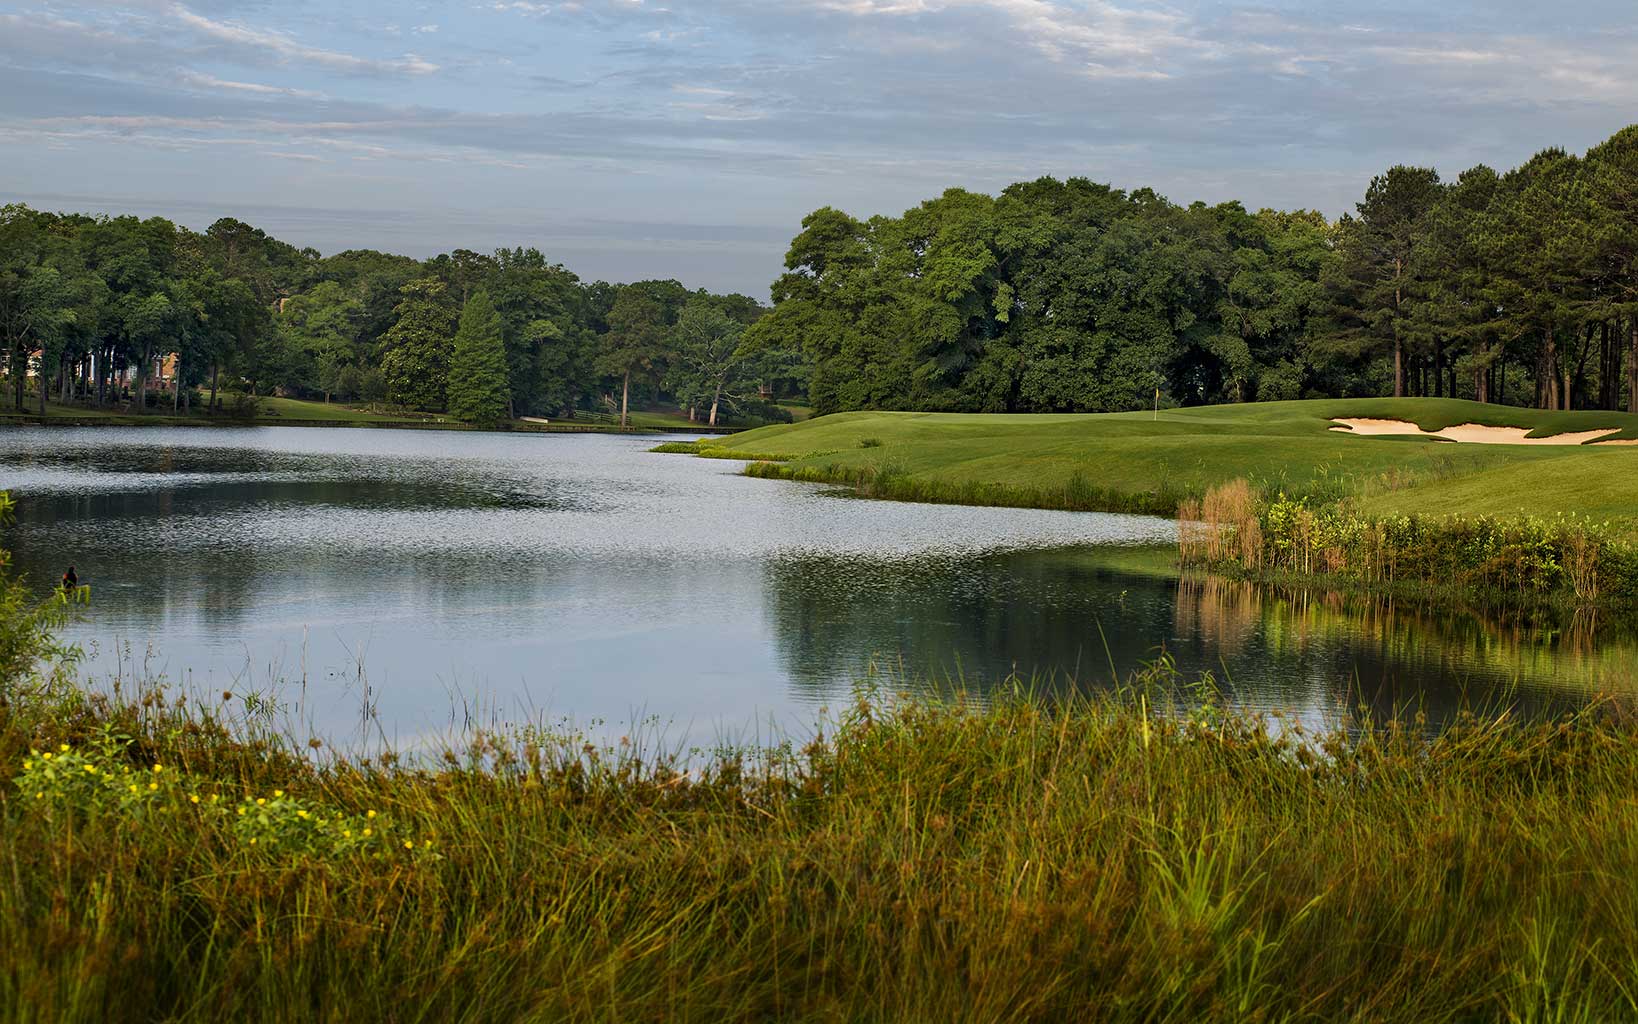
[(478, 388)]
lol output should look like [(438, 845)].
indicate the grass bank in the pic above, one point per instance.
[(1140, 461), (1102, 859)]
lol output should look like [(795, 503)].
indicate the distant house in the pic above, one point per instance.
[(161, 375)]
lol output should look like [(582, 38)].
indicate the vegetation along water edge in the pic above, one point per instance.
[(1561, 503)]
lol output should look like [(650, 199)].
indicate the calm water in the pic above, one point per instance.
[(425, 577)]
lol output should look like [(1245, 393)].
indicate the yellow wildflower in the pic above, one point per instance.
[(428, 844), (46, 755), (346, 833), (366, 831), (159, 768), (91, 768), (39, 796), (27, 765), (153, 785), (301, 814), (260, 801), (278, 793), (63, 748), (369, 814), (241, 810), (133, 787), (194, 798), (252, 842), (409, 844)]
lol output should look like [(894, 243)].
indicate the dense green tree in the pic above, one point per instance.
[(1374, 283), (710, 363), (320, 328), (478, 388), (37, 300), (636, 344), (1459, 307), (542, 313), (415, 351), (1539, 243), (1611, 173)]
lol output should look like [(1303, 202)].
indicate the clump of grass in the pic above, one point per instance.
[(707, 450), (1150, 853), (870, 442)]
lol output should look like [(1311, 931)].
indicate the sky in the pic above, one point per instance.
[(687, 138)]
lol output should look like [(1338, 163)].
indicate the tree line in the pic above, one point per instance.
[(1053, 296), (1071, 296), (93, 302)]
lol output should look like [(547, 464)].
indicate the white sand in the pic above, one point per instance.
[(1470, 433)]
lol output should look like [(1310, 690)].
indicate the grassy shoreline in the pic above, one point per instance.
[(1287, 458), (1117, 858), (1141, 461)]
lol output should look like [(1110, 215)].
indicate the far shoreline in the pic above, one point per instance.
[(569, 427)]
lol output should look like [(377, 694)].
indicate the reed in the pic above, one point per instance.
[(1149, 854), (1566, 557)]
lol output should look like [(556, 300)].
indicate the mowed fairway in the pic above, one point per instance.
[(1276, 445)]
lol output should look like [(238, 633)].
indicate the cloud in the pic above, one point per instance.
[(204, 81), (285, 49), (791, 104)]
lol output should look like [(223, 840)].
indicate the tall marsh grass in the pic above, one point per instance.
[(1566, 557), (1126, 857)]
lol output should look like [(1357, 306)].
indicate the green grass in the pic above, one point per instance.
[(298, 409), (799, 410), (1127, 460), (1110, 858)]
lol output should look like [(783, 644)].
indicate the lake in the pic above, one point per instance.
[(403, 584)]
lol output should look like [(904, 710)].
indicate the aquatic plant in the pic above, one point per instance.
[(1150, 854)]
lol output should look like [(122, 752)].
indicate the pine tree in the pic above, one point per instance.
[(478, 388)]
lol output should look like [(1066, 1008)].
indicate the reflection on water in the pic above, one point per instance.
[(581, 576)]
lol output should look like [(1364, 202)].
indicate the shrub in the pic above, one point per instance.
[(28, 644), (244, 406)]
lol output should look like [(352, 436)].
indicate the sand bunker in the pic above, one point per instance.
[(1470, 433)]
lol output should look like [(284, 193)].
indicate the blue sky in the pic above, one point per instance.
[(687, 138)]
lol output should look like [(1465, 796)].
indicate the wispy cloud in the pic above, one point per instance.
[(286, 49), (203, 81)]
